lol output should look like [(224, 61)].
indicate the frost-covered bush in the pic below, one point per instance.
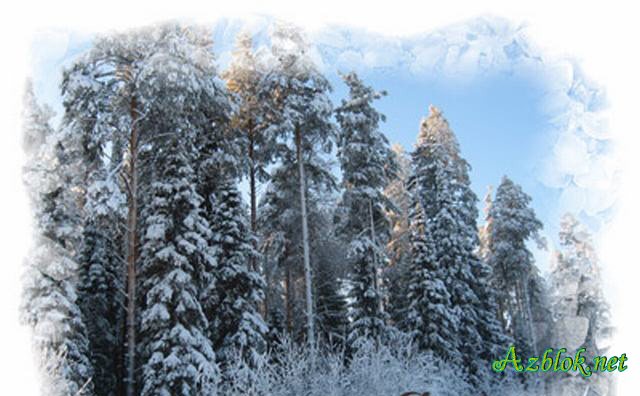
[(386, 370), (52, 379)]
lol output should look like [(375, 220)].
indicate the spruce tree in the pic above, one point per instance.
[(147, 88), (429, 316), (103, 203), (330, 301), (279, 223), (176, 355), (50, 292), (516, 279), (238, 330), (101, 285), (441, 183), (436, 250), (366, 164)]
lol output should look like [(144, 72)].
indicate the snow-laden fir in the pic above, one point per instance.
[(355, 268)]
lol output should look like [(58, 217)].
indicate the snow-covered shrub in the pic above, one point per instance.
[(52, 380), (386, 370)]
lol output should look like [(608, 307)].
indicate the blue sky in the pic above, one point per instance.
[(497, 118), (514, 111)]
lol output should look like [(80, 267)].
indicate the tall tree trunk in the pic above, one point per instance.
[(121, 323), (132, 220), (288, 284), (532, 335), (504, 304), (121, 367), (527, 302), (372, 230), (253, 262), (376, 286), (252, 190), (501, 312), (305, 238)]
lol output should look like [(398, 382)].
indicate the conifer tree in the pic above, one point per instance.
[(330, 301), (146, 87), (102, 212), (101, 284), (177, 357), (399, 245), (50, 292), (280, 224), (434, 254), (519, 287), (238, 330), (441, 183), (299, 94), (177, 246), (253, 118), (366, 162), (430, 316)]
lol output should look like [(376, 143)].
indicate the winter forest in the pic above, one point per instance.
[(207, 231)]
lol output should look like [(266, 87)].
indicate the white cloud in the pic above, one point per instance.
[(579, 160), (579, 163)]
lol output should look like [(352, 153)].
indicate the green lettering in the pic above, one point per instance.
[(621, 366), (578, 364), (532, 367), (555, 361), (546, 360), (500, 365), (599, 363), (611, 364), (569, 363)]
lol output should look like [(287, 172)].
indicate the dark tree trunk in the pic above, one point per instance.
[(132, 220)]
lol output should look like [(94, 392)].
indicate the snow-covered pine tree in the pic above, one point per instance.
[(103, 87), (177, 248), (50, 305), (147, 86), (233, 290), (512, 223), (433, 269), (238, 331), (399, 245), (299, 94), (441, 183), (280, 224), (366, 162), (86, 116), (252, 118), (493, 298)]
